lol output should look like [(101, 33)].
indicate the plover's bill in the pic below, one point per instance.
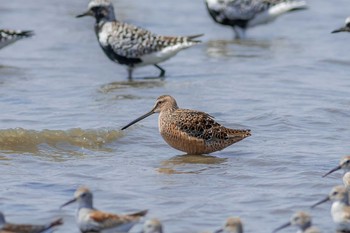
[(10, 36), (344, 164), (340, 210), (302, 220), (191, 131), (244, 14), (345, 28), (6, 227), (232, 225), (130, 45), (152, 226), (92, 220)]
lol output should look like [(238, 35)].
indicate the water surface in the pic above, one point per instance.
[(63, 103)]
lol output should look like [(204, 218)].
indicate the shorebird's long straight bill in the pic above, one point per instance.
[(281, 227), (138, 119), (68, 202), (320, 202), (333, 170)]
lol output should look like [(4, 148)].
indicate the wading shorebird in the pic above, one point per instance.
[(302, 220), (340, 208), (6, 227), (345, 165), (130, 45), (345, 28), (8, 37), (232, 225), (244, 14), (152, 226), (191, 131), (91, 220)]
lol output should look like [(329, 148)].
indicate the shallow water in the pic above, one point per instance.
[(63, 103)]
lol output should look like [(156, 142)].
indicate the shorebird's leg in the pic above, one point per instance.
[(162, 71), (130, 68)]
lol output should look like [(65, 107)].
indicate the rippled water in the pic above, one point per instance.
[(63, 102)]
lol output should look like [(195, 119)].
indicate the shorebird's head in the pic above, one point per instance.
[(100, 9), (346, 28), (338, 193), (232, 225), (152, 226), (300, 219), (83, 196), (2, 219), (163, 103), (217, 4), (344, 164)]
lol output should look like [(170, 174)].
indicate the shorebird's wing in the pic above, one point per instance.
[(108, 220), (201, 125), (134, 42), (27, 228), (10, 36), (245, 9)]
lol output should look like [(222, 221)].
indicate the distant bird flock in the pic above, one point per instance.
[(193, 132)]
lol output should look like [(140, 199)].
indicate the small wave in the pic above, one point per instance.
[(24, 140)]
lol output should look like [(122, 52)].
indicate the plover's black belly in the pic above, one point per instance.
[(118, 58)]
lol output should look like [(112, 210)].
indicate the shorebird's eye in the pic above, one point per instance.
[(83, 195), (335, 193), (347, 161)]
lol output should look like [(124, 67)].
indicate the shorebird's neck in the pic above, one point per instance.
[(85, 204)]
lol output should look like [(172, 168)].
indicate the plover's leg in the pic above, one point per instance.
[(130, 68), (162, 71)]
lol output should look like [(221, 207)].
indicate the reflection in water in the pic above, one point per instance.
[(229, 48), (22, 140), (110, 87), (175, 164)]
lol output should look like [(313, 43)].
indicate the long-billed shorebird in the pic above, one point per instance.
[(152, 226), (232, 225), (340, 210), (244, 14), (8, 37), (91, 220), (344, 165), (130, 45), (26, 228), (191, 131), (345, 28), (302, 220)]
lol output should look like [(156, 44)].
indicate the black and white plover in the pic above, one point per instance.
[(131, 45), (244, 14), (345, 28), (10, 36)]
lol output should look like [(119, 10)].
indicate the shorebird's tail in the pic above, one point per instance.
[(193, 37), (139, 214), (287, 6), (239, 134), (16, 33)]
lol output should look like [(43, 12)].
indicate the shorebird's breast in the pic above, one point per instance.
[(103, 31)]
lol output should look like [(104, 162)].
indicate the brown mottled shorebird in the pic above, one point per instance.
[(302, 220), (191, 131), (6, 227), (91, 220), (232, 225)]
